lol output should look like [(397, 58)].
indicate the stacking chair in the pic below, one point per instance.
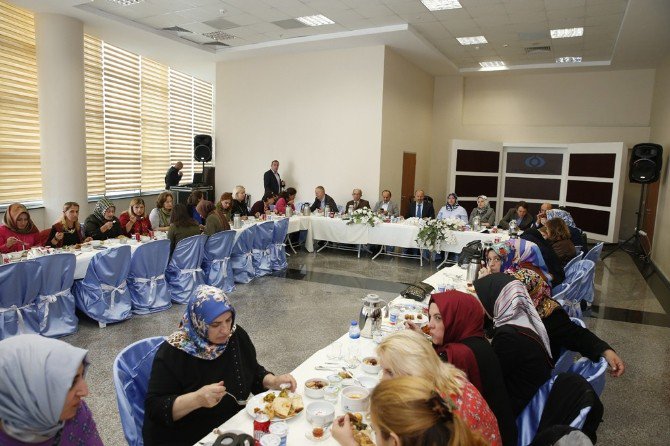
[(216, 261), (261, 253), (56, 299), (594, 254), (102, 294), (568, 357), (278, 248), (241, 256), (19, 290), (146, 278), (131, 370), (184, 273), (593, 372)]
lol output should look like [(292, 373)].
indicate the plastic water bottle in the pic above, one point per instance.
[(353, 344)]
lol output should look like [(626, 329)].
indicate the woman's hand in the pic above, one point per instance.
[(616, 364), (211, 394), (133, 218), (11, 241), (484, 272), (274, 382), (412, 326), (342, 431), (107, 226), (88, 239)]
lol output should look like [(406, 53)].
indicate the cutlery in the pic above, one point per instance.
[(240, 403), (323, 367)]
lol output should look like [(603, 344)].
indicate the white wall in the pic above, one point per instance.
[(407, 120), (318, 113)]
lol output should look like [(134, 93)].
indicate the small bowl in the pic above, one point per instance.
[(95, 243), (368, 381), (145, 238), (355, 399), (320, 412), (348, 382), (312, 392), (335, 380), (370, 364), (16, 255)]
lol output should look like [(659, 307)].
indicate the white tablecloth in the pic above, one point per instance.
[(84, 258)]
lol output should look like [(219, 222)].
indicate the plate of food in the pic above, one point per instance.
[(362, 431), (416, 317), (276, 404)]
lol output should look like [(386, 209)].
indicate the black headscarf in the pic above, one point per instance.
[(548, 254), (489, 288)]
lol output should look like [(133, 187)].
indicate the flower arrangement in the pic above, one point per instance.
[(435, 232), (455, 224), (364, 216)]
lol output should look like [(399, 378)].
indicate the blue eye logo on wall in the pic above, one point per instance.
[(535, 162)]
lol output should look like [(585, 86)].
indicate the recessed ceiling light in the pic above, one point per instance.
[(220, 36), (474, 40), (440, 5), (315, 20), (492, 64), (569, 59), (126, 2), (566, 32)]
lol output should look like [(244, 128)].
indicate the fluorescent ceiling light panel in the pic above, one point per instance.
[(492, 64), (126, 2), (566, 32), (315, 20), (440, 5), (569, 59), (474, 40)]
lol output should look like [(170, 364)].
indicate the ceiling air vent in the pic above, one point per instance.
[(216, 44), (220, 36), (176, 29), (537, 49)]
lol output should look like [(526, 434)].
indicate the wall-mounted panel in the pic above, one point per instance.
[(533, 188), (599, 165), (534, 163), (589, 192), (473, 186), (477, 161), (591, 220)]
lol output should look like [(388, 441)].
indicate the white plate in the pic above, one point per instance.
[(325, 436), (257, 401), (419, 322)]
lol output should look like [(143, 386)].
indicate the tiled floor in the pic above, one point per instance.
[(312, 304)]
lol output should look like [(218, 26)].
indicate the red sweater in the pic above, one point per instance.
[(29, 240), (142, 225)]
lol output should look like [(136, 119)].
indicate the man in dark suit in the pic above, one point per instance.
[(420, 207), (520, 214), (272, 182), (173, 175), (322, 200), (357, 202)]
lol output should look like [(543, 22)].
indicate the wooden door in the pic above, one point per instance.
[(649, 214), (408, 174)]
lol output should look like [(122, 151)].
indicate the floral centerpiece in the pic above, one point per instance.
[(435, 232), (364, 216)]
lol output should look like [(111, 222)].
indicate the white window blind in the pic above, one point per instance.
[(155, 136), (95, 116), (181, 122), (21, 178)]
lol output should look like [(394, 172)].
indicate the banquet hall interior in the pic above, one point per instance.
[(100, 97)]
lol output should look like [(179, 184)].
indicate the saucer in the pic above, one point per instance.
[(325, 436)]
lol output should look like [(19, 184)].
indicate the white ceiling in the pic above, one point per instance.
[(623, 33)]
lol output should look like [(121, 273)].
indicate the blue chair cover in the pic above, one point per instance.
[(559, 292), (216, 263), (132, 369), (593, 372), (241, 256), (528, 421), (146, 278), (56, 299), (103, 294), (568, 357), (594, 254), (19, 290), (587, 283), (184, 272), (261, 248), (570, 267), (570, 298), (278, 248)]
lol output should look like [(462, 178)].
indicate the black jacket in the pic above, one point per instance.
[(92, 228), (427, 211), (270, 182), (329, 202), (526, 221), (239, 207), (172, 177)]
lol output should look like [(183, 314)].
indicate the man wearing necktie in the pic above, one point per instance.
[(357, 202), (420, 208)]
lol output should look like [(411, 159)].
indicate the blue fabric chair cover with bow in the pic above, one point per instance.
[(594, 254), (103, 294), (278, 247), (242, 256), (146, 278), (528, 421), (184, 272), (56, 299), (216, 263), (132, 369), (570, 265), (593, 372), (261, 248), (571, 297), (559, 292), (587, 283), (568, 357), (19, 290)]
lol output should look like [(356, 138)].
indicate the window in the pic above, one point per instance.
[(141, 117), (21, 177)]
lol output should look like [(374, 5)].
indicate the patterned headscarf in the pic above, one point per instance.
[(538, 290), (514, 253), (456, 205), (12, 213), (563, 215), (205, 306), (37, 373), (101, 206), (483, 210)]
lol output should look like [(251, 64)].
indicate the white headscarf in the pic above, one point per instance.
[(36, 374)]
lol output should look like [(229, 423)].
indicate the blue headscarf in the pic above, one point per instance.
[(36, 373), (455, 206), (205, 306), (514, 252), (563, 215)]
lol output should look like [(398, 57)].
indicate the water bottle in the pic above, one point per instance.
[(353, 344)]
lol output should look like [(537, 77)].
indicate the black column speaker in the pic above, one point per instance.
[(645, 163), (202, 148)]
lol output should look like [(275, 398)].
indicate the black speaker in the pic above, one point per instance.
[(202, 148), (645, 163)]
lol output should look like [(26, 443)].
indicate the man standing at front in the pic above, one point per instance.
[(357, 202), (420, 208), (272, 182), (173, 175), (386, 206)]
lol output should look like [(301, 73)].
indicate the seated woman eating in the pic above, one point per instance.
[(263, 205), (102, 224), (181, 226), (160, 215), (192, 203), (196, 369), (18, 232), (67, 231), (41, 394), (134, 220), (408, 411), (286, 199), (215, 219), (225, 205)]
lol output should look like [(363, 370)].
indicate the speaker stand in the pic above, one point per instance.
[(637, 249)]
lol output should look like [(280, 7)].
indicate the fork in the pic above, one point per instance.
[(239, 403)]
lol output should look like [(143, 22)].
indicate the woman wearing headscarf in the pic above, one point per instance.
[(102, 224), (42, 387), (197, 367), (452, 209), (486, 214), (214, 218), (519, 253), (519, 338), (18, 232), (552, 262), (457, 333)]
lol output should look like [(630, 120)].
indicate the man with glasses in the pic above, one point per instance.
[(357, 202)]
